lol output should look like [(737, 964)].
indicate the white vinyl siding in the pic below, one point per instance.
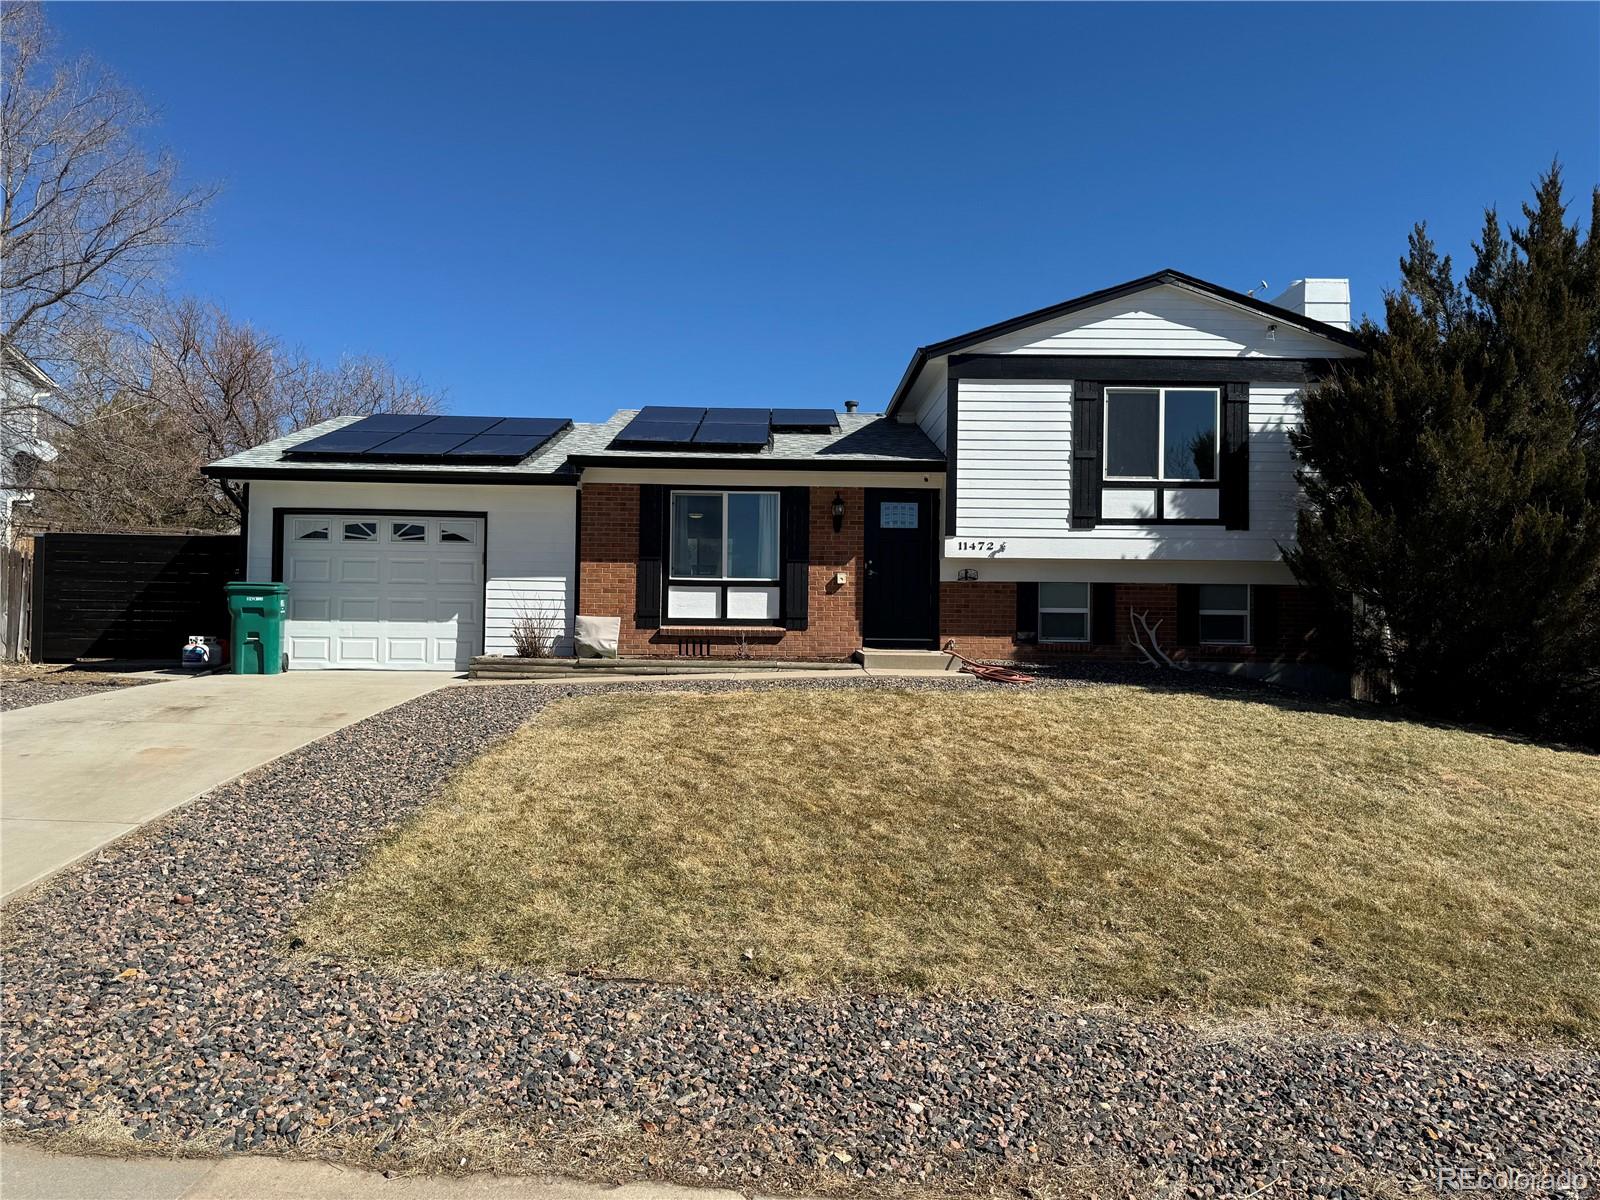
[(1014, 479), (529, 539), (928, 402), (1164, 320), (1014, 457)]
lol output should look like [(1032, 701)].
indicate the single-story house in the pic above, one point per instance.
[(1028, 484)]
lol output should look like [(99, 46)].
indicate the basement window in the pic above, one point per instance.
[(1161, 433), (1225, 613), (1063, 612)]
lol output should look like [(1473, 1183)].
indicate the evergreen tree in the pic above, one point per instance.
[(1452, 479)]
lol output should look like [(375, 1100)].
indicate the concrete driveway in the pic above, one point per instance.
[(76, 774)]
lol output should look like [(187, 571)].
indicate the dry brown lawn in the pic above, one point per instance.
[(1105, 844)]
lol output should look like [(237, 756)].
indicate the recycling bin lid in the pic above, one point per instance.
[(271, 589)]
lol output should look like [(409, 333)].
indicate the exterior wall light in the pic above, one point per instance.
[(967, 575), (838, 512)]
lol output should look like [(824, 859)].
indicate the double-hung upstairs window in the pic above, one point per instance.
[(1162, 433)]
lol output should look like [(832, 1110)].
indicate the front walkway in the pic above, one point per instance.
[(30, 1174), (79, 773)]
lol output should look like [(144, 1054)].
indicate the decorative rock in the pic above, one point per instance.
[(220, 1037)]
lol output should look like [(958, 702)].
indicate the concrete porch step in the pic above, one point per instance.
[(932, 662)]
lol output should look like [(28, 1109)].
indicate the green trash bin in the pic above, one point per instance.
[(256, 612)]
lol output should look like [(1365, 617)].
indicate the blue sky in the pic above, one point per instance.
[(553, 209)]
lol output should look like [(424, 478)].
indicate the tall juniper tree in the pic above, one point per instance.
[(1452, 481)]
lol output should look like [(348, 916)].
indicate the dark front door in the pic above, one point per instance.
[(900, 603)]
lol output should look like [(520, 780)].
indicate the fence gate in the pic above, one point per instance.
[(16, 604), (137, 596)]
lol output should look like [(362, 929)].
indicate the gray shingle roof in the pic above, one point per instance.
[(861, 439)]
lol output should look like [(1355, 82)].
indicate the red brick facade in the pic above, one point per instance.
[(981, 618), (609, 548)]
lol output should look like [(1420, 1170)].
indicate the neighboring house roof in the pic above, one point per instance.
[(863, 440), (1167, 278), (25, 366)]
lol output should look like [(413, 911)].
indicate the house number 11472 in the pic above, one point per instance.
[(980, 545)]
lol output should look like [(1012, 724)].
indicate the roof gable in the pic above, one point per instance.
[(1183, 314), (1165, 320)]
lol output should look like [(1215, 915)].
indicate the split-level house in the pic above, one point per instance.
[(1030, 489)]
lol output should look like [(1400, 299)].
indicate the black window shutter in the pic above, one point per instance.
[(1264, 627), (1027, 612), (1103, 613), (652, 553), (1087, 406), (795, 523), (1188, 614), (1234, 466)]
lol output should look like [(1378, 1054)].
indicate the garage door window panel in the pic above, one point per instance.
[(361, 531)]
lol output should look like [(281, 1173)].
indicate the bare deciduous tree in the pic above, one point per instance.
[(88, 215), (149, 407)]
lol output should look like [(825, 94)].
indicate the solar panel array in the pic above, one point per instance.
[(397, 437), (657, 426)]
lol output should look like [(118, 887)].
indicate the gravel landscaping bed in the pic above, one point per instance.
[(155, 984), (25, 693)]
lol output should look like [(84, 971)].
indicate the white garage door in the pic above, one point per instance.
[(394, 592)]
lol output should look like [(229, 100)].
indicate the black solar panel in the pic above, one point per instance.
[(418, 444), (342, 443), (465, 426), (394, 422), (662, 425), (804, 420), (499, 446), (733, 427), (537, 426), (396, 437)]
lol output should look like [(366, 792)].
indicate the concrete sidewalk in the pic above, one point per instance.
[(30, 1174), (79, 773)]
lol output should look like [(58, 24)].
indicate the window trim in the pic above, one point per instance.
[(1247, 612), (1088, 617), (775, 580), (1161, 390)]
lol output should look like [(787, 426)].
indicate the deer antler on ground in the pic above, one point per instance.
[(1143, 633)]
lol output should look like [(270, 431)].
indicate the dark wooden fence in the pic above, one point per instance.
[(136, 596)]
